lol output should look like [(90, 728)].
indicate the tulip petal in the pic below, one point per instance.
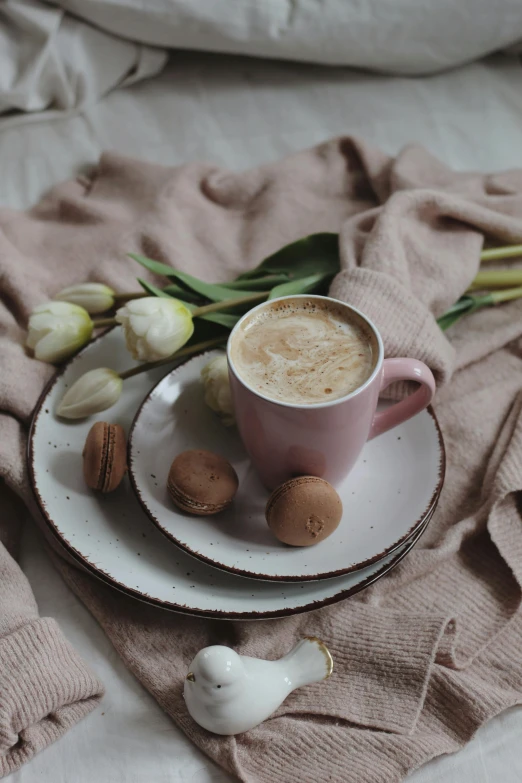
[(217, 389), (93, 297), (55, 346), (93, 392), (57, 329), (140, 324), (155, 327)]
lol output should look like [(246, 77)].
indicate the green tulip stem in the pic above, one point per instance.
[(99, 322), (215, 307), (497, 278), (506, 294), (188, 350), (120, 299), (499, 253)]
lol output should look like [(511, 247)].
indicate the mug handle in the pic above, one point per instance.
[(403, 370)]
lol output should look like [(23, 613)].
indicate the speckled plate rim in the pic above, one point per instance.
[(216, 615), (58, 541), (417, 525)]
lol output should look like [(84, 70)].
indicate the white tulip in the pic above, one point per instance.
[(155, 327), (217, 389), (94, 297), (93, 392), (57, 330)]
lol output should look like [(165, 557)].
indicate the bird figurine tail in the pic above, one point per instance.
[(310, 661)]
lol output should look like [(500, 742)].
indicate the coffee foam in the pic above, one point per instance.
[(304, 351)]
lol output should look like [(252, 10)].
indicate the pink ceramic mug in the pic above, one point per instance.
[(322, 439)]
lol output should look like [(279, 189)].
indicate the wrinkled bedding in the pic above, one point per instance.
[(403, 36), (52, 61), (61, 56), (238, 112)]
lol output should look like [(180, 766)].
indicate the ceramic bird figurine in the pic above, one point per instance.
[(228, 693)]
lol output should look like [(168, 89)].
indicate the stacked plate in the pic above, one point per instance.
[(230, 565)]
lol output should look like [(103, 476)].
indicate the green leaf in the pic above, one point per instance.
[(170, 291), (205, 330), (307, 256), (152, 289), (165, 271), (464, 306), (448, 319), (303, 285), (212, 291), (228, 320), (153, 266), (259, 284), (181, 293)]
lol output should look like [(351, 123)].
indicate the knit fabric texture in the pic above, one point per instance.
[(45, 687), (430, 652)]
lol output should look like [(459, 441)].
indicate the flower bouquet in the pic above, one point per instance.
[(188, 315)]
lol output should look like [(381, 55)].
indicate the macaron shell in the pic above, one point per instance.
[(201, 482), (105, 456), (94, 455), (184, 503), (116, 462), (304, 511)]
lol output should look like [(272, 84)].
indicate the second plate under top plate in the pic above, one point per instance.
[(386, 498)]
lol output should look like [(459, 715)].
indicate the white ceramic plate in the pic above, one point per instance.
[(386, 498), (112, 538)]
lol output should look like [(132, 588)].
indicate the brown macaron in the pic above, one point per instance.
[(105, 456), (303, 511), (201, 482)]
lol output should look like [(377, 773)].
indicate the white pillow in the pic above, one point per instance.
[(400, 36), (52, 61)]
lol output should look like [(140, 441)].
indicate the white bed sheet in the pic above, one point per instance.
[(239, 112)]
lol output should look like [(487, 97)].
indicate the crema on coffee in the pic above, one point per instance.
[(303, 351)]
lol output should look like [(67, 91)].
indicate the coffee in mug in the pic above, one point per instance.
[(304, 351), (305, 374)]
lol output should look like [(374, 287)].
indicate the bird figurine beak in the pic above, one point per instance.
[(190, 677)]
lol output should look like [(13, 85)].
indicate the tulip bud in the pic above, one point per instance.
[(155, 327), (94, 297), (93, 392), (217, 389), (56, 330)]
